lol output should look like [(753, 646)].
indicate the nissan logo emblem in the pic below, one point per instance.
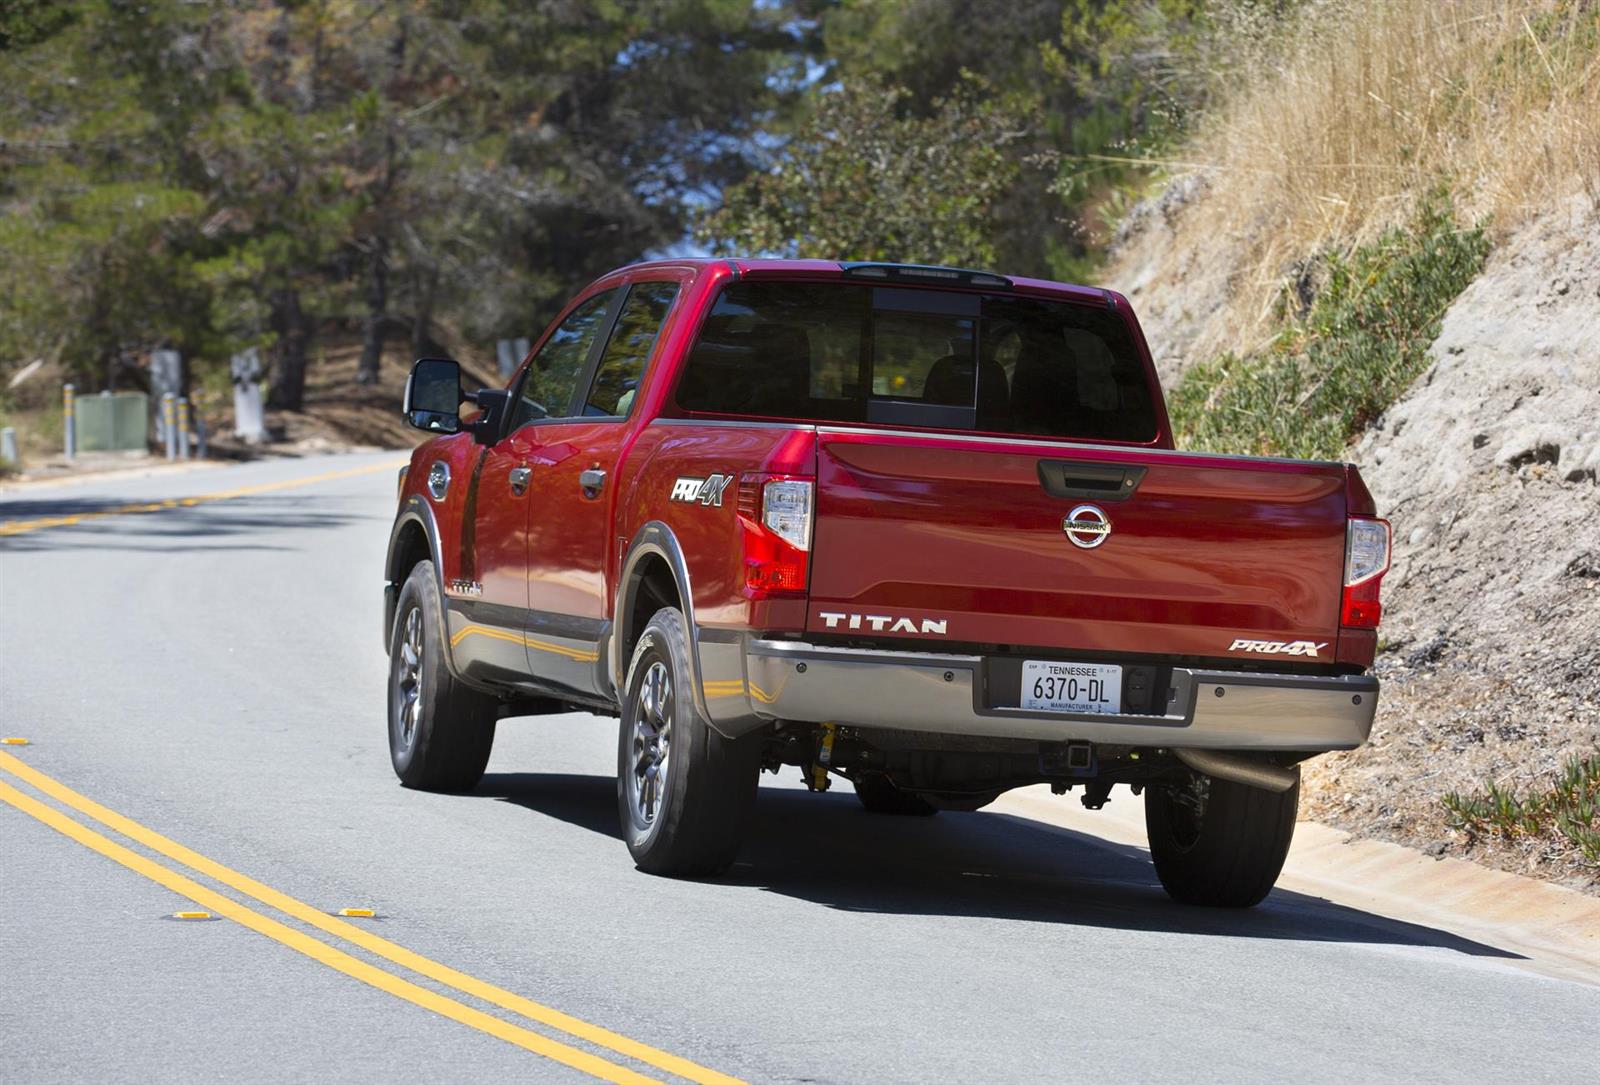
[(1086, 527)]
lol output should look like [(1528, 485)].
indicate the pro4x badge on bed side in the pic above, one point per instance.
[(705, 491)]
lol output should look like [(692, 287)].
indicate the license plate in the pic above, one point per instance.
[(1051, 686)]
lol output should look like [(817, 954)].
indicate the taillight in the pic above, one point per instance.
[(775, 514), (1366, 559)]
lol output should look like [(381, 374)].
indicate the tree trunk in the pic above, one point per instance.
[(422, 318), (377, 312), (293, 329)]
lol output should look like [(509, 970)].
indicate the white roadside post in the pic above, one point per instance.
[(69, 420), (249, 423), (166, 381), (8, 447), (183, 427), (169, 423)]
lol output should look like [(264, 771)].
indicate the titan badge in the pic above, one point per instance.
[(880, 623)]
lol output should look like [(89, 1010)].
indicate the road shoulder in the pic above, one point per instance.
[(1556, 929)]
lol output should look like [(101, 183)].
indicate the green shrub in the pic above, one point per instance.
[(1569, 809), (1329, 374)]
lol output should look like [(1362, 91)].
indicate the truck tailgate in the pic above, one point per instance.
[(934, 539)]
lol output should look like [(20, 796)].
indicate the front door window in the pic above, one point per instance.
[(621, 368), (552, 375)]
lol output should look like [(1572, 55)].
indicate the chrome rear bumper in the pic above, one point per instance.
[(1206, 709)]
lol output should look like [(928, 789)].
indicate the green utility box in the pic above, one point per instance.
[(113, 423)]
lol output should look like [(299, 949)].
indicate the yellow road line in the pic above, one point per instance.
[(317, 950), (390, 951), (19, 527)]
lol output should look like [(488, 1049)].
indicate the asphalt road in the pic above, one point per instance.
[(214, 673)]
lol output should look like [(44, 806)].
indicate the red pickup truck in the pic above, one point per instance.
[(920, 528)]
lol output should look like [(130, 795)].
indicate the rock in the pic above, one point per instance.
[(1588, 468), (1532, 444), (1427, 653), (1585, 566)]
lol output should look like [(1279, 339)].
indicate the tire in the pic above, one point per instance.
[(1229, 854), (440, 731), (684, 792), (879, 795)]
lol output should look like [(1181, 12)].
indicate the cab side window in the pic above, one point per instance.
[(552, 375), (621, 368)]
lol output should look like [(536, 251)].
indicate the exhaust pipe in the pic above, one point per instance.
[(1239, 770)]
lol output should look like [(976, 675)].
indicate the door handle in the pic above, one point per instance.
[(592, 482), (519, 480)]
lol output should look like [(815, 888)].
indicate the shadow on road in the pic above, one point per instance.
[(826, 849), (206, 526)]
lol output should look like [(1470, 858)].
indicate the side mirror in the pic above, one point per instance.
[(433, 395)]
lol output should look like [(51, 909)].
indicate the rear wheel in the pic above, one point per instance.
[(440, 731), (684, 792), (1219, 843), (879, 795)]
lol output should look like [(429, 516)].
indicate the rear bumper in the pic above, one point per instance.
[(1206, 709)]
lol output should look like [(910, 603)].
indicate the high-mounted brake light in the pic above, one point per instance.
[(926, 273), (1366, 559), (775, 515)]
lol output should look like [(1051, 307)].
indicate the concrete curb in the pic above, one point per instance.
[(109, 474), (1556, 929)]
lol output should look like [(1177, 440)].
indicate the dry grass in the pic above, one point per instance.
[(1367, 105)]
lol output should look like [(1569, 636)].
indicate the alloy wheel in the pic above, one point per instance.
[(652, 744), (408, 680)]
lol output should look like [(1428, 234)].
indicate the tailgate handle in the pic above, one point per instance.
[(1097, 481)]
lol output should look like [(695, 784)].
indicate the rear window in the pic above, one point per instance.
[(843, 352)]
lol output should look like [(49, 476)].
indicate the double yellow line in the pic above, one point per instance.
[(22, 527), (335, 958)]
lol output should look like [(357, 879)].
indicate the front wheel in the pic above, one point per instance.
[(440, 731), (1219, 843), (684, 792)]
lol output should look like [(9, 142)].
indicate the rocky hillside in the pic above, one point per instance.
[(1382, 242), (1488, 470)]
